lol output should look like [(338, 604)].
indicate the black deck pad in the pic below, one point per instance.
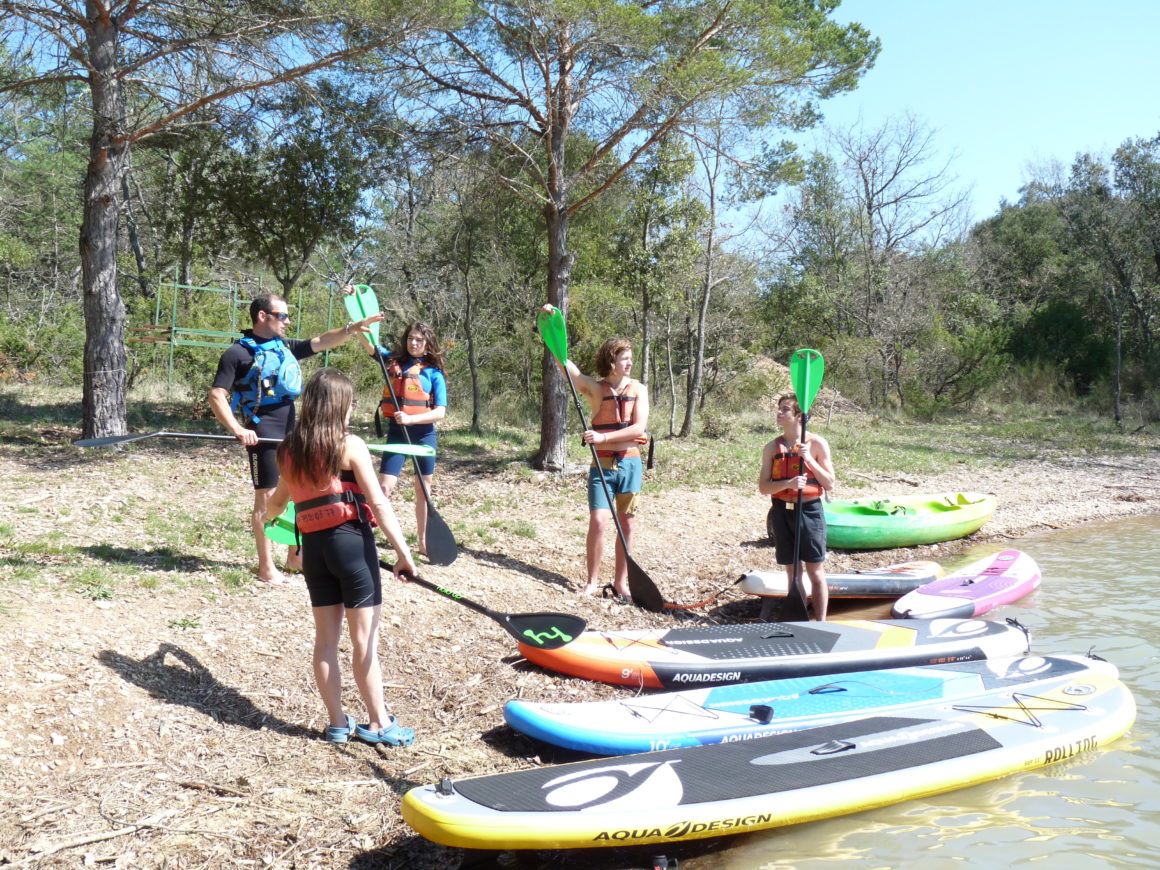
[(755, 640), (702, 774)]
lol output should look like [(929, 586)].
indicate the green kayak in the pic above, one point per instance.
[(905, 521)]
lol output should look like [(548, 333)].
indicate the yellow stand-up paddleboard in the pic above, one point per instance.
[(733, 788)]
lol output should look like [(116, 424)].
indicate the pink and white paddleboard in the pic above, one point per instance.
[(973, 590)]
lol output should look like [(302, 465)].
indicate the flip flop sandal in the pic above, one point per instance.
[(609, 591), (337, 734), (393, 735)]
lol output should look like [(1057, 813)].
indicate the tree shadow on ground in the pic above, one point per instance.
[(412, 853), (514, 744), (416, 853), (190, 683), (157, 558), (501, 560)]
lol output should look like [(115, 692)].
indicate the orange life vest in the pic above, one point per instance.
[(340, 502), (616, 413), (786, 465), (408, 387)]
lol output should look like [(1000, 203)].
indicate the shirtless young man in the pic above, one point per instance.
[(790, 466), (618, 425)]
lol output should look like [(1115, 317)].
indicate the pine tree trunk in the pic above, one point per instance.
[(553, 405), (104, 374), (472, 360)]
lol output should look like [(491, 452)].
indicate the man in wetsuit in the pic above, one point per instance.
[(266, 409)]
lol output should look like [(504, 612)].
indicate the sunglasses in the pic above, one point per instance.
[(281, 315)]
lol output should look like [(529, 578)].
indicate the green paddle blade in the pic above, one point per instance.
[(555, 333), (362, 304), (403, 449), (806, 368), (280, 530)]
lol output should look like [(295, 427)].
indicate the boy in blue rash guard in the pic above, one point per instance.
[(415, 368)]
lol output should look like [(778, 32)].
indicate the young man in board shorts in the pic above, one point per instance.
[(618, 424), (265, 408), (790, 466)]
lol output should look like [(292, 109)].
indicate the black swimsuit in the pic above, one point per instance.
[(341, 564)]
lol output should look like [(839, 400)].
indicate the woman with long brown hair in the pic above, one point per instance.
[(415, 368), (329, 475)]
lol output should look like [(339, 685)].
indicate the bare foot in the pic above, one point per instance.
[(625, 591), (276, 578), (589, 589)]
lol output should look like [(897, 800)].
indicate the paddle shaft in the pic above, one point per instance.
[(544, 630), (798, 584), (454, 596), (643, 591), (406, 434), (652, 594), (122, 439), (805, 389)]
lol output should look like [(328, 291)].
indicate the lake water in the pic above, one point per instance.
[(1099, 594)]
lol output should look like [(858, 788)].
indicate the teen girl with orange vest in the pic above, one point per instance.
[(329, 475), (790, 467), (618, 429), (415, 368)]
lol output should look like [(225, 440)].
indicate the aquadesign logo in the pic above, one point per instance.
[(715, 677), (687, 830), (653, 784)]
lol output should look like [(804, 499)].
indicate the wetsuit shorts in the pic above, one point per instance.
[(623, 477), (782, 522), (274, 423), (393, 463), (341, 566)]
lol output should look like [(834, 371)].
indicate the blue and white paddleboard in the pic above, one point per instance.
[(727, 714)]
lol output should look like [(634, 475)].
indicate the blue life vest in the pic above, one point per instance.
[(274, 378)]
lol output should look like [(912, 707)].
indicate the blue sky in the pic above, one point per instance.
[(1009, 83)]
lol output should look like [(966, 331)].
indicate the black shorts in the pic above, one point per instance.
[(264, 465), (275, 423), (782, 524), (341, 566)]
